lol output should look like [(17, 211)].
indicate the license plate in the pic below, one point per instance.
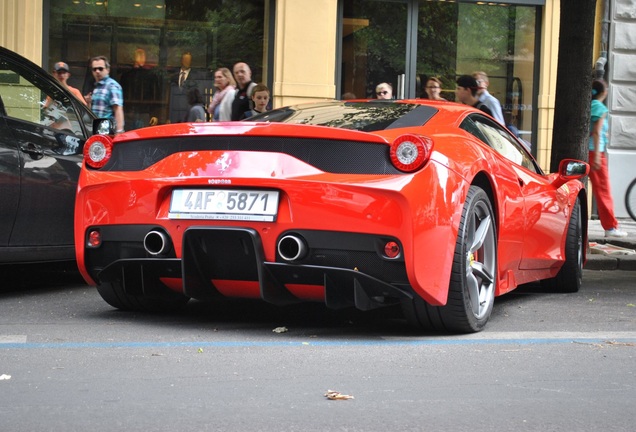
[(224, 204)]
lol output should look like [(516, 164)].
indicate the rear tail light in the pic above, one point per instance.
[(94, 239), (392, 249), (410, 152), (98, 150)]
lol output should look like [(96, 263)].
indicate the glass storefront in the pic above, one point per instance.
[(404, 42), (145, 41)]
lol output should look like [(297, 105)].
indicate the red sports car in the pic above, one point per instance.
[(366, 204)]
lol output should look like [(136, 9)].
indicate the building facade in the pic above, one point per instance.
[(621, 74), (304, 50)]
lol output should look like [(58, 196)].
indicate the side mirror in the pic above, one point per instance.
[(103, 126), (571, 169)]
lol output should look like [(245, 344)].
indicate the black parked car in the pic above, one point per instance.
[(42, 133)]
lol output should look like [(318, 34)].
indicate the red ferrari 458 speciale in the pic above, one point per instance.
[(433, 206)]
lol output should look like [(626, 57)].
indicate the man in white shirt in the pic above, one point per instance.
[(486, 98)]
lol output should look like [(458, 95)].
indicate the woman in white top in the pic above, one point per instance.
[(220, 107)]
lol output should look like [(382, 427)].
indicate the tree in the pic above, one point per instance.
[(574, 81)]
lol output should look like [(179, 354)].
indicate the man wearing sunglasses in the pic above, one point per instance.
[(107, 98)]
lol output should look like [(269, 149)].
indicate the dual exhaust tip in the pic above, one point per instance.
[(157, 243), (290, 247)]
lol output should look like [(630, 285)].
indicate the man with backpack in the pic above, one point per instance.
[(244, 87)]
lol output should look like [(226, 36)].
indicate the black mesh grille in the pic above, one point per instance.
[(365, 262), (340, 157)]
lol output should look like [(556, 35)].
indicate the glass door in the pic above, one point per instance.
[(375, 47)]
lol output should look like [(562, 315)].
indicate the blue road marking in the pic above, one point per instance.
[(313, 343)]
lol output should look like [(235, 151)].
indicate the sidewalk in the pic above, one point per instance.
[(599, 261)]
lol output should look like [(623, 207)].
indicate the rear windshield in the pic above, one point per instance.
[(362, 116)]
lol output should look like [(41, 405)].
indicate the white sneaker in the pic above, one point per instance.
[(615, 232)]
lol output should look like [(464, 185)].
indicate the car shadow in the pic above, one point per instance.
[(21, 277)]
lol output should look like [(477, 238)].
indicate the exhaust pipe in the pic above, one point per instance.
[(292, 248), (156, 243)]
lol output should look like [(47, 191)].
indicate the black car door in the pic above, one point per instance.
[(48, 127), (9, 177)]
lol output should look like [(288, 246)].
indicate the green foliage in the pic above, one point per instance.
[(238, 33)]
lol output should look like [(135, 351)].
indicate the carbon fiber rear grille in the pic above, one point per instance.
[(367, 262), (339, 157)]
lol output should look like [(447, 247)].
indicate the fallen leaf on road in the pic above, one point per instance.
[(336, 395), (620, 343)]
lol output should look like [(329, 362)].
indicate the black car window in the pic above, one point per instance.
[(500, 140), (29, 98), (363, 116), (469, 126)]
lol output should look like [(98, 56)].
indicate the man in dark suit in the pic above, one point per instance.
[(185, 79)]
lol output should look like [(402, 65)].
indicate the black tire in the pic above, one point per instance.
[(630, 199), (471, 291), (569, 278), (165, 300)]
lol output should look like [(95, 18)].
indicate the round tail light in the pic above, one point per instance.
[(392, 249), (94, 239), (98, 150), (410, 152)]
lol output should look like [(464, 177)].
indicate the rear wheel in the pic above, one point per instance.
[(472, 286), (162, 300), (569, 278), (630, 199)]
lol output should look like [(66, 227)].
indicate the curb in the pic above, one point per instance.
[(603, 262), (611, 262), (596, 234)]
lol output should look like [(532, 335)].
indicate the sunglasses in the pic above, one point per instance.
[(382, 93), (99, 68)]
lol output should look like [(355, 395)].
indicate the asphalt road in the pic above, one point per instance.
[(546, 362)]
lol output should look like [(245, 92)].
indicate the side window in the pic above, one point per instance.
[(504, 144), (28, 98), (469, 126)]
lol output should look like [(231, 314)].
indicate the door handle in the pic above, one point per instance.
[(32, 150)]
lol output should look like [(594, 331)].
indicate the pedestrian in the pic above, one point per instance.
[(62, 74), (53, 109), (599, 175), (433, 89), (384, 91), (486, 98), (244, 87), (260, 98), (466, 93), (220, 107), (107, 98)]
